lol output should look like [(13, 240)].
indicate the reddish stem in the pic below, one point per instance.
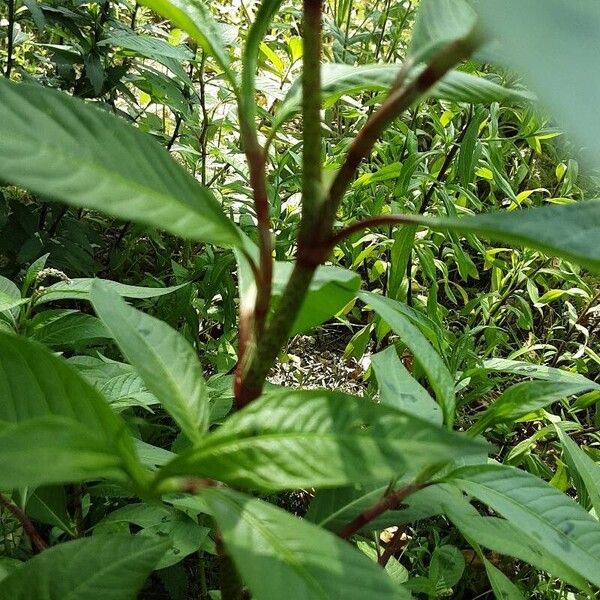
[(389, 501), (28, 527)]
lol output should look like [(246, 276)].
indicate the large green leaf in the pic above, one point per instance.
[(79, 289), (147, 46), (89, 158), (330, 290), (561, 529), (526, 397), (195, 18), (164, 359), (281, 556), (399, 389), (35, 385), (292, 439), (93, 568), (554, 45), (439, 377), (340, 79), (501, 536), (568, 230)]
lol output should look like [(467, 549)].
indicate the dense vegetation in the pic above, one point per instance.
[(272, 329)]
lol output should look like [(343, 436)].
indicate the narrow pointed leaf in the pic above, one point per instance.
[(439, 377), (79, 289), (162, 357), (64, 149), (94, 568), (502, 586), (293, 439), (302, 560)]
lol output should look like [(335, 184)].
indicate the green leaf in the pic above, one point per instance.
[(65, 328), (330, 290), (399, 389), (147, 46), (296, 439), (338, 80), (89, 158), (440, 22), (35, 385), (162, 357), (93, 568), (195, 18), (258, 29), (439, 377), (52, 450), (446, 567), (502, 586), (302, 560), (582, 466), (158, 521), (517, 367), (562, 529), (10, 298), (566, 230), (79, 289), (525, 397), (554, 46), (503, 537)]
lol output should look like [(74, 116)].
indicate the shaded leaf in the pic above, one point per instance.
[(302, 560), (94, 568)]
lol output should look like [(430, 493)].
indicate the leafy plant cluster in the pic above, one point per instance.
[(189, 186)]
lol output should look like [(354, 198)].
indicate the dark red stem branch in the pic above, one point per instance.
[(28, 527), (389, 501)]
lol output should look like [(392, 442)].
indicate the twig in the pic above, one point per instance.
[(28, 527), (393, 546), (389, 501), (399, 99)]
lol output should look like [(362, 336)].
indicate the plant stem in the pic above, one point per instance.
[(28, 527), (11, 35), (316, 249), (393, 546), (311, 119), (399, 99), (389, 501)]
